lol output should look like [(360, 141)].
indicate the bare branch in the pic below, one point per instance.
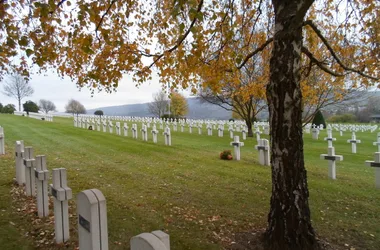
[(334, 55)]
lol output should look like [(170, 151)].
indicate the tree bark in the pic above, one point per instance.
[(289, 225), (249, 126)]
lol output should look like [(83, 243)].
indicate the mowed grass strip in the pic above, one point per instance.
[(191, 194)]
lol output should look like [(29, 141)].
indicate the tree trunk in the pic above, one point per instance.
[(289, 225), (19, 104), (249, 126)]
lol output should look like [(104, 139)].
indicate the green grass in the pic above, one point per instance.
[(186, 190)]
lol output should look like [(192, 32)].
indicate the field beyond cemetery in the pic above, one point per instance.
[(186, 190)]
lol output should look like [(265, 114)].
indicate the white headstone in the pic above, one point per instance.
[(237, 144), (144, 132), (329, 138), (2, 146), (263, 148), (110, 127), (62, 194), (154, 133), (20, 169), (353, 142), (376, 165), (29, 162), (168, 139), (377, 142), (42, 178), (125, 128), (118, 129), (157, 240), (92, 220), (331, 157)]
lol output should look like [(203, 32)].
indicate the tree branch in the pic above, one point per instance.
[(250, 55), (334, 55), (101, 19), (181, 39)]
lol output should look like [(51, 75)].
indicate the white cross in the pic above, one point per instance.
[(376, 165), (237, 144), (331, 157), (353, 142)]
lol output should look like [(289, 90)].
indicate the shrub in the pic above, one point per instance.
[(318, 119), (226, 155), (349, 118)]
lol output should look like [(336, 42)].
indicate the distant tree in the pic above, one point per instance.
[(18, 88), (46, 106), (1, 107), (178, 105), (99, 112), (8, 109), (30, 106), (159, 104), (319, 119), (75, 107)]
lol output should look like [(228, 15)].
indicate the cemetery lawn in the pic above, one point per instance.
[(186, 190)]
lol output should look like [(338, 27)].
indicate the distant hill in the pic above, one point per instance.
[(197, 110)]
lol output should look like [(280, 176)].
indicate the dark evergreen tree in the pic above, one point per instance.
[(319, 119)]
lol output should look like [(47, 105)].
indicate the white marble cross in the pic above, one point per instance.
[(331, 157), (98, 125), (257, 132), (2, 145), (263, 148), (244, 133), (376, 165), (220, 130), (353, 142), (42, 178), (377, 142), (190, 128), (118, 130), (110, 127), (209, 129), (134, 130), (182, 125), (20, 169), (92, 220), (156, 240), (75, 122), (154, 133), (104, 126), (199, 129), (168, 139), (125, 128), (237, 144), (29, 163), (231, 130), (329, 138), (144, 133), (62, 194)]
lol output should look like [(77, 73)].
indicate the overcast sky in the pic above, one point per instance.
[(59, 91)]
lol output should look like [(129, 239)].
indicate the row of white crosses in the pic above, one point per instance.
[(237, 126), (91, 206), (331, 157)]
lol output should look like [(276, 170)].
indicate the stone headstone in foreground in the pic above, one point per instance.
[(156, 240), (92, 220), (42, 178)]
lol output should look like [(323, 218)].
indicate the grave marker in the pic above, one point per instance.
[(118, 131), (125, 128), (29, 163), (144, 133), (263, 148), (353, 142), (2, 146), (156, 240), (168, 139), (331, 157), (376, 165), (42, 178), (154, 133), (329, 138), (62, 194), (92, 220), (377, 142), (237, 144), (20, 169)]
